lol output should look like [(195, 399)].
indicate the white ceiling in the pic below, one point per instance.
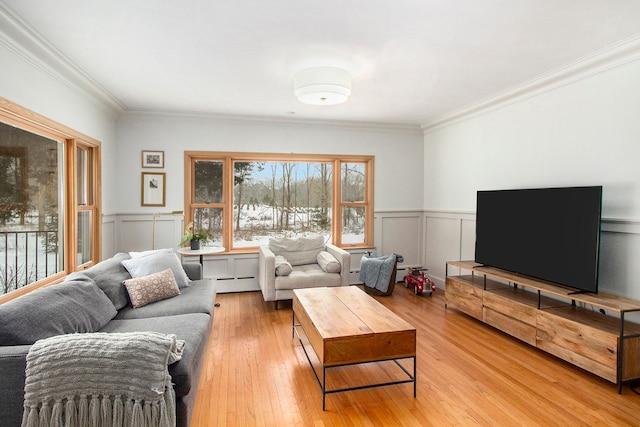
[(413, 61)]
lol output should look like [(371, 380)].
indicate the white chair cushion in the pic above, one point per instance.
[(298, 251)]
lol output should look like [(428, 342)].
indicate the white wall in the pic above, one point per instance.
[(585, 132), (398, 152), (398, 172), (580, 134)]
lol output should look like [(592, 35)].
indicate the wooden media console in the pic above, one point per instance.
[(585, 329)]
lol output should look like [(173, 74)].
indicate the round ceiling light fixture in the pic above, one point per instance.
[(322, 85)]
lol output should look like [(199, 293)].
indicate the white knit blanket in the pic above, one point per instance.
[(101, 379)]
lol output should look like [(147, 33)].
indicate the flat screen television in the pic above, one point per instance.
[(552, 234)]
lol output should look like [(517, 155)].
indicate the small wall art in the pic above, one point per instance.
[(152, 159), (153, 189)]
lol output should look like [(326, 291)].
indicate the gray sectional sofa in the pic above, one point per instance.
[(95, 300)]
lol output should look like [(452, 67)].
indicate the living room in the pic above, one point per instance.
[(572, 123)]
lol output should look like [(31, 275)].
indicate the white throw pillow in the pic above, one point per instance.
[(154, 263), (298, 251), (328, 262), (149, 252)]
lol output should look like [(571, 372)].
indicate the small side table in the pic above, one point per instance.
[(205, 250)]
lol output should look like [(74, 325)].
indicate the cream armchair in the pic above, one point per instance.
[(304, 262)]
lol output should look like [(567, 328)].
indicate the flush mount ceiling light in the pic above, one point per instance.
[(322, 85)]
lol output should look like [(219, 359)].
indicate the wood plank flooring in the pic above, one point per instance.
[(469, 374)]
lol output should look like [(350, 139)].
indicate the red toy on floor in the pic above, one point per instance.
[(420, 281)]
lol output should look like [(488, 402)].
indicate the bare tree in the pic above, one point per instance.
[(242, 174), (352, 190), (309, 180), (325, 176), (14, 277), (274, 199)]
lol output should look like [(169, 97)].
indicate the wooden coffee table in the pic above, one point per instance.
[(345, 326)]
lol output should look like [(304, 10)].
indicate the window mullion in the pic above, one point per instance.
[(336, 203), (227, 209), (71, 207)]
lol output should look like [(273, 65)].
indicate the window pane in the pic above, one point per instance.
[(353, 225), (352, 179), (208, 181), (280, 199), (209, 219), (84, 237), (84, 176), (30, 209)]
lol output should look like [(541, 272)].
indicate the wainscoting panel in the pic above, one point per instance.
[(442, 243), (619, 263), (245, 267), (141, 232), (451, 236), (468, 238), (400, 234), (218, 267), (423, 238), (135, 234), (109, 236), (245, 274)]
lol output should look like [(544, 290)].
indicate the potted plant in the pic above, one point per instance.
[(195, 237)]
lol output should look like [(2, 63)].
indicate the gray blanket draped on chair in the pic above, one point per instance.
[(101, 379), (376, 270)]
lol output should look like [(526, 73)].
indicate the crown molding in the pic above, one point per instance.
[(376, 126), (27, 43), (598, 62)]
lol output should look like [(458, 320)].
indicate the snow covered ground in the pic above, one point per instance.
[(259, 223)]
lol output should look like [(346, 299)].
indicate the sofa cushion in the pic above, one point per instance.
[(151, 288), (154, 263), (283, 268), (193, 328), (298, 251), (307, 276), (68, 307), (13, 364), (109, 275), (328, 262), (193, 270), (198, 297)]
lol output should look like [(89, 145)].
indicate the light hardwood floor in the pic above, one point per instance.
[(469, 374)]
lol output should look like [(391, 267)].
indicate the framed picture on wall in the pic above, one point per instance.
[(152, 159), (153, 189)]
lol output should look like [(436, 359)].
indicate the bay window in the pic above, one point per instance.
[(243, 199)]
